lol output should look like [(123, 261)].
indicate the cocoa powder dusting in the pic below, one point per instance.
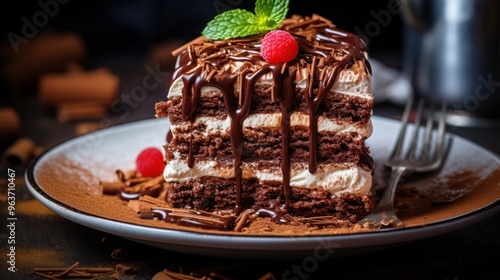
[(446, 197), (462, 191)]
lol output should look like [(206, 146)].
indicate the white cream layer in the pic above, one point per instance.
[(353, 81), (273, 120), (334, 178)]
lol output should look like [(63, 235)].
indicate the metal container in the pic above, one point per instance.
[(452, 52)]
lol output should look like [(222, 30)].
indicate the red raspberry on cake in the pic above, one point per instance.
[(150, 162), (279, 46)]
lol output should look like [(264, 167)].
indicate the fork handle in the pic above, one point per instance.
[(387, 200)]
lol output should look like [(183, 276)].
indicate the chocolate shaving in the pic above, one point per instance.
[(189, 216), (214, 56), (179, 50), (72, 272), (320, 25), (131, 185), (146, 184), (123, 176), (314, 221), (143, 205), (152, 200), (119, 254), (171, 275), (149, 207), (241, 221), (211, 74), (303, 23), (136, 180), (111, 188)]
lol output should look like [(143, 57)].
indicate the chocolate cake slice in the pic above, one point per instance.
[(249, 135)]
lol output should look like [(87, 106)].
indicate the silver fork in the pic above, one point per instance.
[(423, 155)]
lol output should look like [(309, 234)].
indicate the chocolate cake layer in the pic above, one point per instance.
[(265, 144), (216, 194), (341, 107)]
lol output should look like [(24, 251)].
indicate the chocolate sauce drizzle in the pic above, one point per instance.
[(209, 64), (194, 218)]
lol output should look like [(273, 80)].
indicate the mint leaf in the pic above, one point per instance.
[(230, 24), (241, 23), (272, 11)]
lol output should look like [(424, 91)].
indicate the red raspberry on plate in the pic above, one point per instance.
[(279, 46), (150, 162)]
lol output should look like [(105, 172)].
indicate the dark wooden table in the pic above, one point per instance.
[(45, 240)]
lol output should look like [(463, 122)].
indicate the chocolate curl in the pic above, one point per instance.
[(152, 200), (124, 176), (137, 180), (10, 126), (148, 182), (19, 153), (98, 87), (111, 188), (197, 40), (42, 54), (241, 221), (71, 272)]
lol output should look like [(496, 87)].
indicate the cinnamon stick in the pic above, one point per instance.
[(19, 153), (75, 112), (99, 86), (10, 126)]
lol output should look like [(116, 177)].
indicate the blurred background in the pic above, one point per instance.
[(111, 27), (134, 28), (63, 62)]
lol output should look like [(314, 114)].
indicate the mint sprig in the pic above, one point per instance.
[(237, 23)]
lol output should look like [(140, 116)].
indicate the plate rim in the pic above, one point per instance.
[(251, 242)]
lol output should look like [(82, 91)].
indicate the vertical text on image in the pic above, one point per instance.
[(11, 220)]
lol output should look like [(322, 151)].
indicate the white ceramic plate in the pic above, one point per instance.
[(63, 179)]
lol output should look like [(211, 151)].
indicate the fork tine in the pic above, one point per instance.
[(416, 131), (440, 143), (426, 153), (396, 152)]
